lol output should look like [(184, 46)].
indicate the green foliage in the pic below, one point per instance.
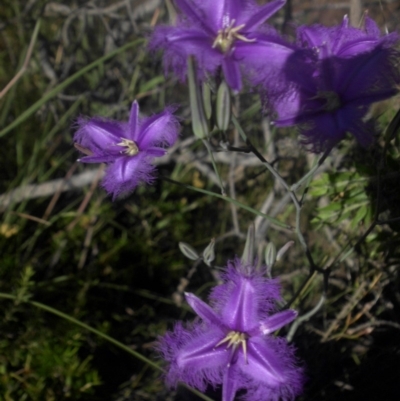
[(39, 365), (348, 202)]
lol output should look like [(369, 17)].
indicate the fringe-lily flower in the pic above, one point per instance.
[(222, 34), (329, 94), (231, 342), (127, 148)]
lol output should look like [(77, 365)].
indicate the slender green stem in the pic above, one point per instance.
[(283, 183), (239, 128), (308, 177), (230, 200), (305, 317), (27, 113), (197, 392), (207, 145)]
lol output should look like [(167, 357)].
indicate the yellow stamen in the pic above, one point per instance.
[(227, 36), (131, 147), (234, 339)]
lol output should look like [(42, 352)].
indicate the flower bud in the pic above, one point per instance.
[(248, 253), (283, 250), (209, 253), (223, 107), (270, 255), (188, 251), (199, 121)]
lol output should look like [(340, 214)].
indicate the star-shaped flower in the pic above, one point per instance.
[(127, 148), (329, 94), (222, 34), (231, 343)]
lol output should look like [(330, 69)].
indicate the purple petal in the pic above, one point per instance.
[(100, 158), (190, 38), (176, 347), (214, 12), (220, 13), (229, 385), (126, 173), (160, 129), (263, 13), (179, 43), (323, 130), (353, 48), (232, 74), (97, 134), (363, 100), (230, 10), (245, 297), (351, 119), (265, 58), (287, 107), (200, 353), (363, 131), (203, 310), (125, 168), (241, 306), (278, 320), (369, 74), (292, 375), (155, 151), (371, 28), (193, 13), (313, 36), (263, 364), (133, 121)]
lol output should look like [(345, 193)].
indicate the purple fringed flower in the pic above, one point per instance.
[(128, 148), (330, 93), (231, 345), (222, 34)]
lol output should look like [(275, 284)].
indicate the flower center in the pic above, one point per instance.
[(131, 149), (332, 100), (234, 340), (227, 36)]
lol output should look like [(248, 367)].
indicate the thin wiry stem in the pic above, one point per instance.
[(305, 317), (26, 61), (230, 200), (210, 152), (231, 176), (291, 193), (309, 176), (314, 269)]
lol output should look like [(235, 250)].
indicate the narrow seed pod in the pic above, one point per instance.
[(199, 121), (173, 15), (188, 251), (207, 100), (223, 107)]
